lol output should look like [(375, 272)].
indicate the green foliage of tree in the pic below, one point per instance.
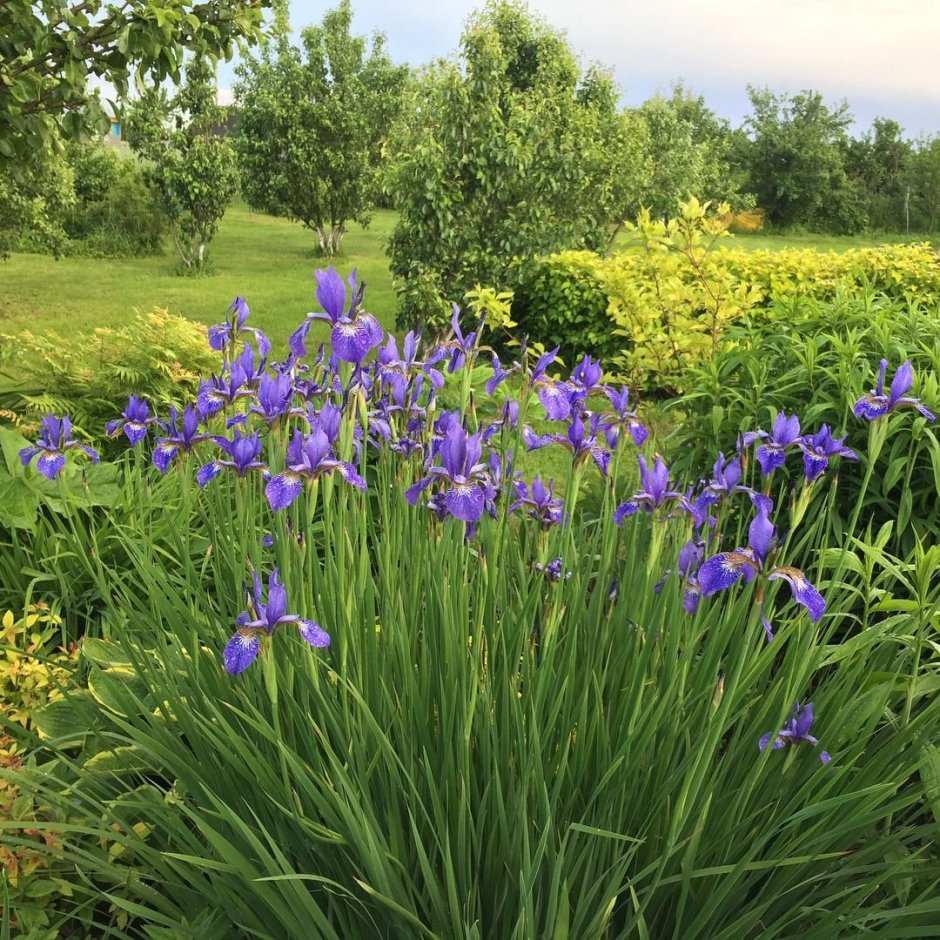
[(191, 163), (688, 156), (925, 185), (115, 214), (797, 162), (880, 161), (312, 124), (34, 203), (49, 50), (509, 152)]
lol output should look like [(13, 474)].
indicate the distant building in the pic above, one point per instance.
[(114, 137)]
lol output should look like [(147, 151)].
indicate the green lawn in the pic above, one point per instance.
[(754, 241), (268, 261)]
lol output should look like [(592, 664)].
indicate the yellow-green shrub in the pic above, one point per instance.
[(662, 303), (89, 377), (32, 674)]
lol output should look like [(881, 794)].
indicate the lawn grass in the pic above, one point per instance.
[(269, 261), (762, 241)]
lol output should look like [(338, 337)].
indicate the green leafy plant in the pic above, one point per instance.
[(505, 689), (33, 674), (158, 355)]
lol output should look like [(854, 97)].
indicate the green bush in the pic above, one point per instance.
[(661, 306), (115, 214), (815, 358)]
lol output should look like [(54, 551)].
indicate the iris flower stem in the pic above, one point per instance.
[(877, 432), (270, 684)]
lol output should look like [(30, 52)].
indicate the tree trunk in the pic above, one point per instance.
[(325, 244), (336, 237), (186, 259)]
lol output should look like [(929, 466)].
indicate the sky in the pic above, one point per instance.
[(879, 55)]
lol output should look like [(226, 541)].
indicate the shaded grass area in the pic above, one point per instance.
[(269, 261)]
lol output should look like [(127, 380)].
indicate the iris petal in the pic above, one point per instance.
[(240, 652)]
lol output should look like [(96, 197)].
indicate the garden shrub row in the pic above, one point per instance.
[(661, 306)]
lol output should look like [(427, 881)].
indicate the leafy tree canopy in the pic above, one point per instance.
[(509, 152), (797, 161), (190, 162), (49, 49), (312, 125)]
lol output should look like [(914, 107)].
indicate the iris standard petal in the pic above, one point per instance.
[(331, 292)]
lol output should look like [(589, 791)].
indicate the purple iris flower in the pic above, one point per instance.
[(724, 569), (308, 458), (397, 371), (467, 481), (243, 450), (459, 347), (222, 334), (690, 557), (624, 418), (581, 440), (584, 380), (726, 479), (655, 491), (55, 438), (180, 438), (540, 503), (354, 332), (819, 448), (262, 619), (133, 421), (553, 571), (226, 334), (509, 417), (274, 396), (875, 404), (796, 731), (771, 455), (556, 397), (499, 374)]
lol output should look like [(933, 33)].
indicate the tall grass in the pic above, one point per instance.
[(485, 752)]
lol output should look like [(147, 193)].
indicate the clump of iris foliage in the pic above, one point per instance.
[(360, 668)]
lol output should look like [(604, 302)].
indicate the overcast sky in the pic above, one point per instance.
[(880, 55)]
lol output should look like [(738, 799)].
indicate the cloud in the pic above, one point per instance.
[(876, 54)]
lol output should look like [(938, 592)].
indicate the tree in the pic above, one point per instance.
[(880, 161), (191, 163), (688, 155), (312, 125), (925, 185), (509, 152), (796, 165), (50, 48)]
